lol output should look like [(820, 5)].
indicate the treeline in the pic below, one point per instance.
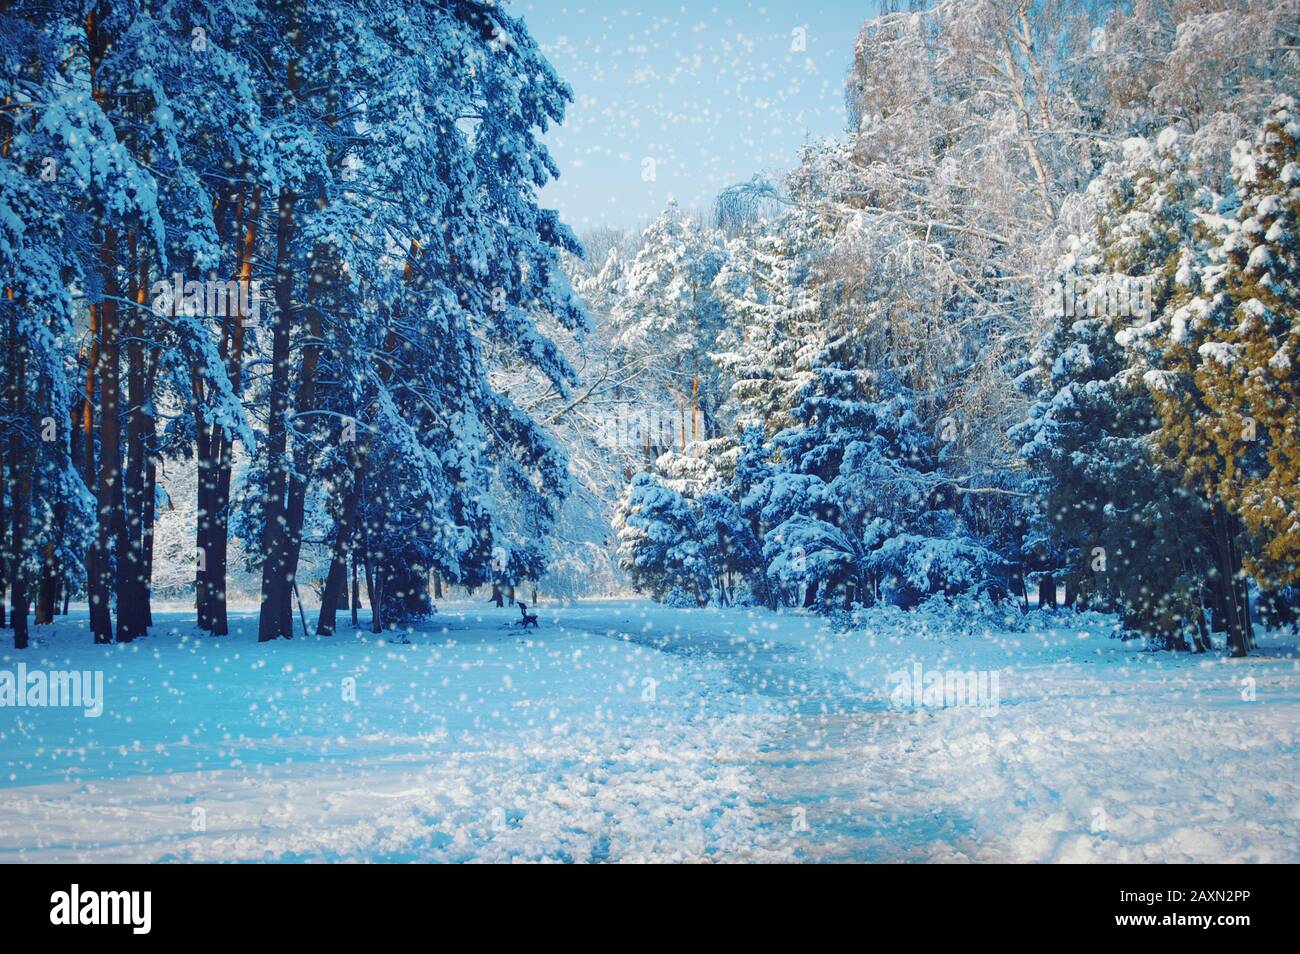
[(1033, 323), (288, 242)]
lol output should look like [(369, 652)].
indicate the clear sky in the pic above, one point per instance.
[(678, 100)]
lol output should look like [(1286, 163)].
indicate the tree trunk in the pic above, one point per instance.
[(275, 618), (1047, 591), (1218, 612), (110, 451), (208, 440), (695, 407), (203, 515), (8, 544), (335, 584), (356, 591), (100, 623), (337, 580), (245, 224), (19, 483), (374, 595), (150, 502), (1202, 635), (103, 331), (288, 539), (47, 599), (4, 525), (1243, 603), (48, 590), (304, 401), (132, 584), (1231, 587)]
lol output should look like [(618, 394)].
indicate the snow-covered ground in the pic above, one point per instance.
[(626, 731)]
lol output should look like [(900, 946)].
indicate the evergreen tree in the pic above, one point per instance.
[(660, 545), (1135, 539), (669, 309)]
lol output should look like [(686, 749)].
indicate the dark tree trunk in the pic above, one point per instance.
[(337, 581), (374, 595), (203, 517), (276, 616), (47, 592), (4, 525), (275, 619), (1217, 608), (1202, 634), (289, 538), (1231, 587), (246, 222), (110, 452), (19, 484), (51, 585), (1243, 603), (295, 512), (1047, 591), (149, 505), (78, 455), (335, 584), (100, 623), (102, 369), (355, 591), (219, 540), (132, 583)]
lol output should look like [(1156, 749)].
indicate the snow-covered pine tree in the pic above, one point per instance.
[(1221, 372), (46, 513), (660, 546), (1134, 538), (770, 312), (100, 132), (669, 309), (1259, 383), (420, 325)]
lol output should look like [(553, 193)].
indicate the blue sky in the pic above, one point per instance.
[(699, 95)]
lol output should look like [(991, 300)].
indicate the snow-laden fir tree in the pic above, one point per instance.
[(1220, 370), (1134, 539), (668, 308)]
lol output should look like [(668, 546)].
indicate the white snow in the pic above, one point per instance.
[(627, 731)]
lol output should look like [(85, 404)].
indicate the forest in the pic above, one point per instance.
[(345, 196), (1024, 335), (546, 431)]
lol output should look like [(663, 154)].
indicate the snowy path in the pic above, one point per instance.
[(626, 731)]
